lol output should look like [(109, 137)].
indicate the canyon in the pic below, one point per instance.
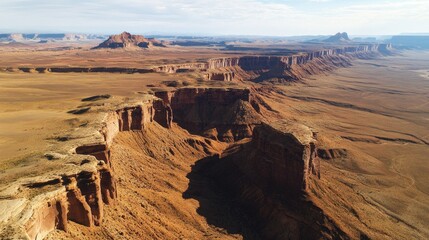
[(80, 193), (249, 68), (326, 143)]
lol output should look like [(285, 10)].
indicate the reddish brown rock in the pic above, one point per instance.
[(221, 76), (127, 40), (268, 176), (218, 113), (79, 190), (292, 67)]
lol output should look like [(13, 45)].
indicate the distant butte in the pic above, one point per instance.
[(338, 38), (128, 40)]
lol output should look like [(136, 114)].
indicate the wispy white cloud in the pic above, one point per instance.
[(262, 17)]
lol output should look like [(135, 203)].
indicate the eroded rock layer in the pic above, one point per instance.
[(268, 176), (293, 67), (218, 113), (33, 207), (243, 68)]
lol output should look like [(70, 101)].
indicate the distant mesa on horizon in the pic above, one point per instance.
[(128, 40), (338, 38)]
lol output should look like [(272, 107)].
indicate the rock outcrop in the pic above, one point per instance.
[(279, 159), (30, 208), (285, 155), (33, 207), (218, 113), (127, 40), (269, 177)]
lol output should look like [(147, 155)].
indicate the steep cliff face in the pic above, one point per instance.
[(268, 176), (279, 159), (221, 76), (222, 114), (287, 154), (263, 62), (31, 208), (293, 67)]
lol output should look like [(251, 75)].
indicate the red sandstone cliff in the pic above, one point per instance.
[(78, 190), (293, 67), (269, 177), (218, 113)]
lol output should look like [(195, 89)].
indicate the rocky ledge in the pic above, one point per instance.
[(82, 183)]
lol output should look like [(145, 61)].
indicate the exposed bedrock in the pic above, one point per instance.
[(76, 195), (222, 114), (31, 208), (261, 62), (221, 76), (291, 67), (287, 154), (184, 67), (268, 177)]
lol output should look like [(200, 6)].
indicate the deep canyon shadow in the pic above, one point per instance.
[(218, 206)]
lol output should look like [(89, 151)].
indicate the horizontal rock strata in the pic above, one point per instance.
[(221, 114), (254, 68), (31, 208)]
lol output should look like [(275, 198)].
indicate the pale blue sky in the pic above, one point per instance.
[(216, 17)]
